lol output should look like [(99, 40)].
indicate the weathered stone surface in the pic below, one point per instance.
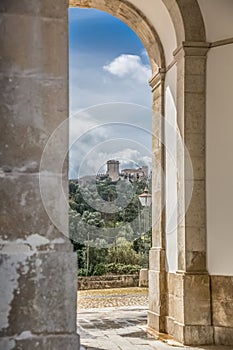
[(157, 300), (27, 341), (197, 286), (222, 287), (195, 83), (196, 28), (42, 49), (31, 110), (106, 282), (196, 261), (195, 144), (128, 15), (178, 285), (171, 302), (194, 107), (197, 312), (179, 314), (222, 313), (155, 321), (189, 306), (143, 278), (198, 335), (195, 65), (193, 335), (157, 282), (42, 288), (38, 269), (22, 203), (157, 259), (197, 239), (170, 327), (195, 215), (223, 336), (46, 8), (197, 169)]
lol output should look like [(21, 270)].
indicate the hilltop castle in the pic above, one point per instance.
[(113, 172)]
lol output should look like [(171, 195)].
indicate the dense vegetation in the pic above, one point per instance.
[(107, 226)]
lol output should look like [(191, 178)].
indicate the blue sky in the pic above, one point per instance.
[(109, 73)]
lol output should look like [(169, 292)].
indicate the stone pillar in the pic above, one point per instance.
[(38, 267), (192, 296), (157, 271)]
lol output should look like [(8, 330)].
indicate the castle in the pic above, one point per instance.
[(113, 172)]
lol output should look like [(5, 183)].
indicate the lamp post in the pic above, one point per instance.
[(145, 199)]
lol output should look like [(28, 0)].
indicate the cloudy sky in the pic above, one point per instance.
[(110, 98)]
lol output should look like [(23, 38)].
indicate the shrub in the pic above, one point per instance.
[(100, 270), (82, 272), (123, 253), (121, 269)]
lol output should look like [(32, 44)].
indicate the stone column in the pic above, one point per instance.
[(38, 267), (192, 296), (157, 270)]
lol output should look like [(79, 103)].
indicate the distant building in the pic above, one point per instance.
[(113, 169), (113, 172), (136, 174)]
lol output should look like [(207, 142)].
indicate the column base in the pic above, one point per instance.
[(193, 335), (156, 322), (189, 318), (223, 336), (185, 334), (157, 290)]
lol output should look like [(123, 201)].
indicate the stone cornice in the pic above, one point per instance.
[(158, 79), (192, 48), (223, 42)]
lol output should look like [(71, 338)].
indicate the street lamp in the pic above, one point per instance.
[(145, 198)]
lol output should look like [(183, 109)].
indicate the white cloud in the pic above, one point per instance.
[(129, 66), (100, 133)]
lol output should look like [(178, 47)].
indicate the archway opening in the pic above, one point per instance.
[(110, 160)]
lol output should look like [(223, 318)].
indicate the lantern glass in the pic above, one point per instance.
[(145, 198)]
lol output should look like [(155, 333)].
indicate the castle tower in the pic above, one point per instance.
[(113, 169)]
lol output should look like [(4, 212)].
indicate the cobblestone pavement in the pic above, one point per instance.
[(112, 298), (122, 327)]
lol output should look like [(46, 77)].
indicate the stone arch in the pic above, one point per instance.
[(186, 17), (136, 20), (187, 20)]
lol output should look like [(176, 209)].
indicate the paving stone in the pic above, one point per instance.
[(120, 328)]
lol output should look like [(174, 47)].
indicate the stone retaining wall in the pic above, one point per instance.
[(105, 282)]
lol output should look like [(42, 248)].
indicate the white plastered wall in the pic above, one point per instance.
[(220, 160), (171, 174), (159, 17), (218, 17)]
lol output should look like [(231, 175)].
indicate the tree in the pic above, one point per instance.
[(123, 253)]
